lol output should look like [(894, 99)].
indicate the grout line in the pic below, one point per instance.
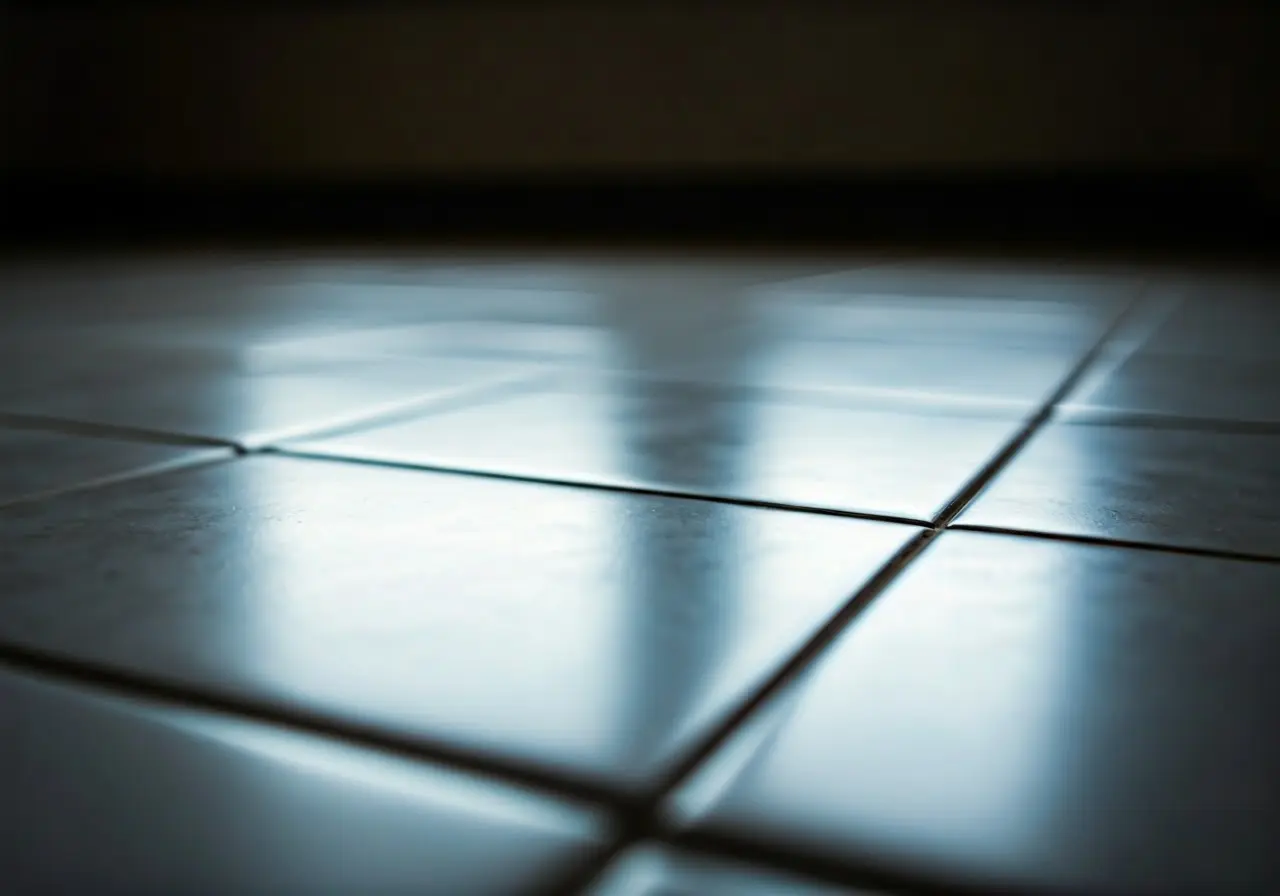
[(868, 876), (1139, 322), (67, 426), (874, 399), (801, 659), (645, 816), (1120, 543), (369, 738), (389, 412), (104, 677), (620, 488), (208, 457), (406, 409), (992, 468)]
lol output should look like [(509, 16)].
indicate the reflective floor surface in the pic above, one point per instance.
[(636, 575)]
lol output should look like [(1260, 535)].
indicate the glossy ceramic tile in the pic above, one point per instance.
[(1229, 388), (1222, 319), (655, 871), (1037, 715), (714, 323), (655, 323), (805, 312), (906, 460), (596, 635), (108, 795), (242, 397), (32, 463), (1186, 488), (242, 302), (1032, 284), (968, 374)]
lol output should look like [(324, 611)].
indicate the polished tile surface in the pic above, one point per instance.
[(242, 397), (33, 462), (904, 460), (1221, 318), (866, 308), (1043, 715), (965, 374), (654, 871), (1233, 389), (596, 634), (106, 794), (574, 536), (1167, 486), (1208, 354)]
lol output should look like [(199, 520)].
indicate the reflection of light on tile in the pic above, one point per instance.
[(921, 319), (913, 738), (783, 583), (402, 779), (650, 870), (301, 397), (902, 463), (638, 873), (716, 776), (820, 451), (576, 629), (552, 341), (419, 612), (965, 373)]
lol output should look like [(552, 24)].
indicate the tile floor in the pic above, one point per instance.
[(636, 575)]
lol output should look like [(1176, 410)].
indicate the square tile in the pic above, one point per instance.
[(1181, 488), (106, 794), (658, 871), (977, 374), (241, 398), (892, 459), (34, 462), (1222, 320), (588, 634), (1204, 387), (1047, 323), (1032, 715)]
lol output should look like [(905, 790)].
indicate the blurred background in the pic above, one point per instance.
[(881, 117)]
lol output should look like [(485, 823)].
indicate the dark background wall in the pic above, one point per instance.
[(556, 85), (1005, 119)]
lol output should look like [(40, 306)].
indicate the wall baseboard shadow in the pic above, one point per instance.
[(1088, 211)]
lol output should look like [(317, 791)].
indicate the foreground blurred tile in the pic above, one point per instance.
[(230, 396), (105, 794), (1183, 488), (34, 462), (656, 871), (1032, 715), (597, 635), (895, 458)]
